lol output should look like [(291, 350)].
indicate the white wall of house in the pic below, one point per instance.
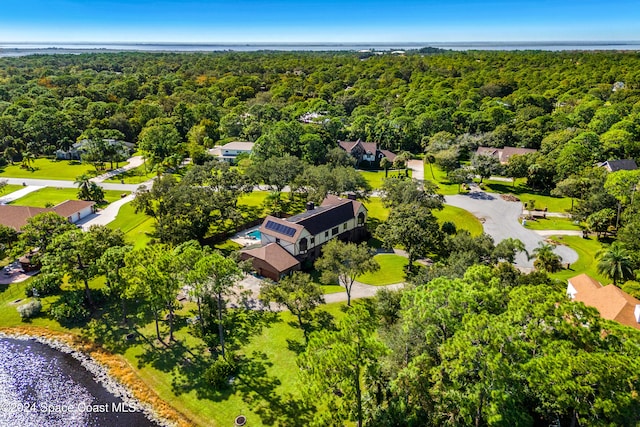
[(80, 214), (226, 152), (318, 240)]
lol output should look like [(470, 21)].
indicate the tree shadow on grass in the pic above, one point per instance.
[(259, 390)]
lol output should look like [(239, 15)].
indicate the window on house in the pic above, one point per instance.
[(334, 231), (303, 244), (361, 218), (326, 234), (313, 240), (344, 226)]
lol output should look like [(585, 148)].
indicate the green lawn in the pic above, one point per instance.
[(375, 209), (463, 220), (137, 227), (134, 176), (253, 199), (586, 249), (391, 270), (434, 174), (375, 178), (553, 204), (49, 169), (552, 224), (262, 391), (50, 196), (10, 188)]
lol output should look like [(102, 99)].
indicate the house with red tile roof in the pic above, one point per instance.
[(300, 237), (611, 302), (73, 210)]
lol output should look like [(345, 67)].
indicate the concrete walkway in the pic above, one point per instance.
[(106, 215), (501, 220), (18, 194)]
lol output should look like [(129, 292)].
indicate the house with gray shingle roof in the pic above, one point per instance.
[(301, 237)]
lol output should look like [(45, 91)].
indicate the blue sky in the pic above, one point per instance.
[(317, 20)]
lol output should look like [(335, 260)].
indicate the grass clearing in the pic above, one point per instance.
[(552, 223), (463, 220), (436, 175), (586, 249), (137, 227), (9, 188), (51, 196), (552, 203), (66, 170), (375, 178), (391, 270), (134, 176)]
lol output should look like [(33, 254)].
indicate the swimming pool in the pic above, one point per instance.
[(255, 234)]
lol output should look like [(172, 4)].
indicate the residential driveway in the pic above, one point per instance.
[(18, 194), (501, 220), (106, 215), (134, 162), (417, 169)]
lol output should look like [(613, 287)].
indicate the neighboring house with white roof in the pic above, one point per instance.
[(229, 152)]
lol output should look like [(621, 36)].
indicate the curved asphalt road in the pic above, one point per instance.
[(501, 221)]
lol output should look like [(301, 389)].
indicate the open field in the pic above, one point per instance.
[(49, 169), (391, 270), (50, 196)]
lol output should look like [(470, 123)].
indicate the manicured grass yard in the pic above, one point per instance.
[(254, 199), (375, 209), (375, 178), (586, 249), (52, 196), (552, 224), (439, 177), (9, 188), (391, 270), (463, 220), (137, 227), (553, 204), (134, 176), (49, 169)]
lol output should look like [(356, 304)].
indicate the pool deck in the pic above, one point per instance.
[(241, 238)]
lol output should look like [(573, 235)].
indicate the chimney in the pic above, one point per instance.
[(636, 313), (310, 206), (351, 196)]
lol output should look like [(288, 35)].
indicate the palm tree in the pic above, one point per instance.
[(27, 159), (84, 186), (546, 259), (615, 262)]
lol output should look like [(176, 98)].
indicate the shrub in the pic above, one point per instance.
[(449, 228), (69, 308), (219, 372), (45, 284), (30, 309)]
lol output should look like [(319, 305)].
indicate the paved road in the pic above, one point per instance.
[(501, 220), (69, 184), (19, 193), (417, 169)]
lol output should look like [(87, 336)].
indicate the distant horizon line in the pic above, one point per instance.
[(319, 43)]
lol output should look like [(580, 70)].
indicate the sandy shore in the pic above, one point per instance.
[(112, 371)]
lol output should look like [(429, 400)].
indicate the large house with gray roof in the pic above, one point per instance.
[(366, 151), (300, 238)]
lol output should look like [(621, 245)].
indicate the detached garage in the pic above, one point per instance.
[(271, 261)]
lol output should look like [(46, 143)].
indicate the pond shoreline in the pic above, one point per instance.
[(109, 370)]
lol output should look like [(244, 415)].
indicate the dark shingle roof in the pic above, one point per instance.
[(326, 217), (620, 165)]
